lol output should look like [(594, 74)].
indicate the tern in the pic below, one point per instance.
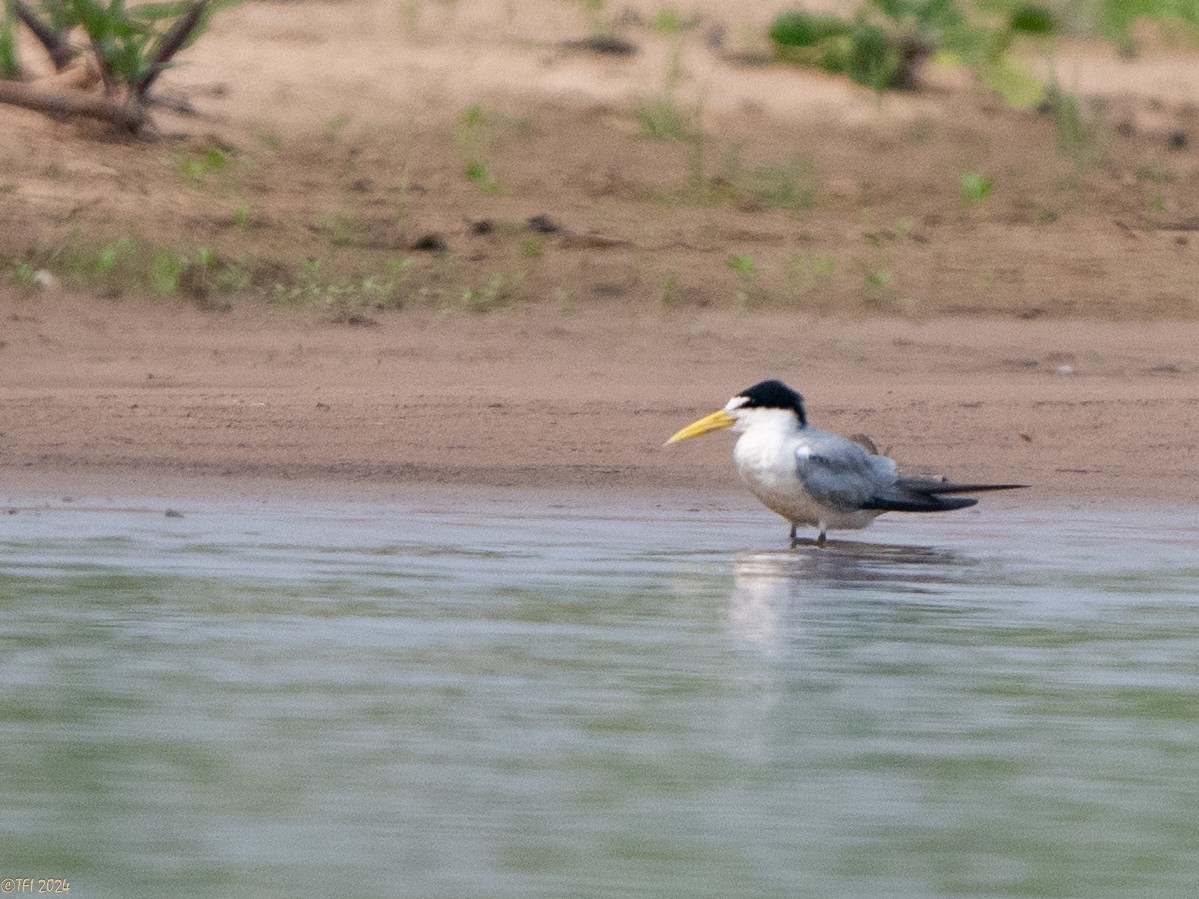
[(812, 477)]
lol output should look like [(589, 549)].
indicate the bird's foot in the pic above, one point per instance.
[(822, 539)]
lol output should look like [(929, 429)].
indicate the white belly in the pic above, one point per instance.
[(768, 468)]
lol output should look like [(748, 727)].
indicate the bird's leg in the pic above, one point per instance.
[(822, 538), (794, 539)]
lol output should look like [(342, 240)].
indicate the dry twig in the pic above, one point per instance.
[(131, 116)]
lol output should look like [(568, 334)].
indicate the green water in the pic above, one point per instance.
[(510, 698)]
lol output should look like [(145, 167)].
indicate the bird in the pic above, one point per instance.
[(816, 478)]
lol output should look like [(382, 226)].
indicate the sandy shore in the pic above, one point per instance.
[(796, 226), (567, 399)]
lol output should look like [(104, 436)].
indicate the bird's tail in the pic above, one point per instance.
[(931, 495), (934, 487)]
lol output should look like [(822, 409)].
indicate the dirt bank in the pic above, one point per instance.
[(350, 289)]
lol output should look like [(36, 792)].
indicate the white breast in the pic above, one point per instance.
[(766, 459)]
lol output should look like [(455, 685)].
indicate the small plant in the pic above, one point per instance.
[(670, 21), (1077, 136), (344, 229), (807, 267), (886, 43), (491, 295), (340, 294), (784, 185), (471, 117), (662, 118), (10, 64), (746, 268), (164, 272), (743, 265), (877, 282), (334, 127), (132, 264), (1155, 202), (670, 293), (130, 47), (975, 187), (1043, 215), (24, 274), (1115, 19), (475, 144), (108, 257), (479, 175), (604, 28), (195, 167), (867, 52)]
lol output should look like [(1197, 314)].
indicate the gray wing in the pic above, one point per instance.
[(841, 474), (845, 477)]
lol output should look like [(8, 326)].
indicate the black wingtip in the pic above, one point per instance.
[(979, 488), (920, 503), (930, 495)]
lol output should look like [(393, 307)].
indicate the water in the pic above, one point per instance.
[(508, 697)]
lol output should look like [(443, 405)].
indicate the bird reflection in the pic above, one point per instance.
[(767, 585)]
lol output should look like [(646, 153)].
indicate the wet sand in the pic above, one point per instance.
[(564, 400)]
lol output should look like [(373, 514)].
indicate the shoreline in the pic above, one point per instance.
[(567, 401)]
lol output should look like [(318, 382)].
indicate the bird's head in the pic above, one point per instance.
[(765, 401)]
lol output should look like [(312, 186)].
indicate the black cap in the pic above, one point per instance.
[(774, 395)]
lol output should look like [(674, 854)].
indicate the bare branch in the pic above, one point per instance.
[(56, 43), (131, 116), (110, 87), (169, 44)]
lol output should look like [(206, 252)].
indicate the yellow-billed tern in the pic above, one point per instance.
[(812, 477)]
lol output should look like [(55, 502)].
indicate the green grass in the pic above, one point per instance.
[(744, 265), (1111, 20), (789, 184), (478, 174), (662, 118), (670, 21), (874, 46), (476, 135), (532, 248), (1043, 215), (21, 274), (670, 293), (1078, 134), (334, 127), (746, 269), (197, 166), (10, 63), (317, 286), (811, 267), (878, 280), (870, 54), (490, 295), (133, 265), (976, 188)]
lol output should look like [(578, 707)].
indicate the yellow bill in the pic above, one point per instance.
[(717, 421)]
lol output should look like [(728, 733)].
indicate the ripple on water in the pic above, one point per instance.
[(407, 700)]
